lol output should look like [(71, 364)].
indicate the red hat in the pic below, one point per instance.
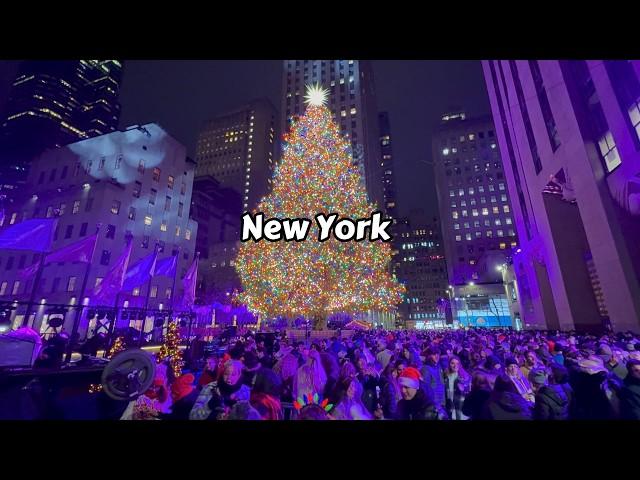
[(182, 386), (410, 377)]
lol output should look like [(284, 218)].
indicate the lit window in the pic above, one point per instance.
[(485, 211), (496, 210), (343, 113), (156, 174), (468, 236), (501, 186), (503, 246), (177, 231), (445, 151), (609, 152), (454, 150), (452, 193), (353, 110), (634, 115), (507, 220), (461, 192), (481, 189), (454, 214), (458, 238), (505, 208), (154, 291), (512, 233), (474, 212), (497, 222), (115, 207), (136, 291), (141, 166), (478, 234), (472, 136), (147, 219), (13, 218), (187, 234), (464, 213), (163, 226), (500, 233), (456, 226), (71, 284), (489, 233), (170, 181)]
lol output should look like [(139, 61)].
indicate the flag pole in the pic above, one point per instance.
[(175, 275), (32, 298), (80, 308), (36, 282), (113, 324), (146, 301)]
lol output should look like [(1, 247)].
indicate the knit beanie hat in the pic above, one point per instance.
[(538, 376)]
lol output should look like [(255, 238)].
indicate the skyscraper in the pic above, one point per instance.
[(570, 135), (420, 266), (475, 210), (54, 103), (388, 174), (353, 104), (239, 149)]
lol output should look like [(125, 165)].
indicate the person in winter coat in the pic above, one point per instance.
[(521, 383), (184, 395), (479, 395), (384, 354), (630, 392), (210, 372), (432, 374), (349, 405), (530, 362), (505, 403), (457, 384), (593, 390), (552, 402), (389, 393), (217, 398), (370, 381), (416, 404), (411, 356)]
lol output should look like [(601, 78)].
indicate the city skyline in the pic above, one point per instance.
[(415, 94)]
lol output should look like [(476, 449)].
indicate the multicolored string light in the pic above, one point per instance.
[(311, 278), (170, 349)]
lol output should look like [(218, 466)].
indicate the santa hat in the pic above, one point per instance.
[(410, 377), (182, 386)]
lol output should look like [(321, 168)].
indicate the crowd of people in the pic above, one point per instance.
[(473, 374)]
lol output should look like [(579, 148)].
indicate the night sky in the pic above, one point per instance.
[(180, 95)]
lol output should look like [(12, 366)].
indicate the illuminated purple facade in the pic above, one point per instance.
[(137, 181), (569, 134)]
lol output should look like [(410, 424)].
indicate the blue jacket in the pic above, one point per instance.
[(434, 380)]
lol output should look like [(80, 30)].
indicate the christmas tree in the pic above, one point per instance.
[(310, 278), (170, 349)]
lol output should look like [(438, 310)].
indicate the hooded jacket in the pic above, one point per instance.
[(553, 402)]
